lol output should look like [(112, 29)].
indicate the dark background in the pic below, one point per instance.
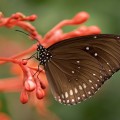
[(105, 105)]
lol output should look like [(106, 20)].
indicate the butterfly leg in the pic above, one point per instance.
[(38, 71), (33, 56)]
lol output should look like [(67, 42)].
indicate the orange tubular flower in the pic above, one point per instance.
[(27, 82), (3, 116)]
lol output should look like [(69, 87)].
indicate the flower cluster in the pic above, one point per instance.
[(26, 82)]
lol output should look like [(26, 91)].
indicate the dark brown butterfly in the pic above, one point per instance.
[(77, 67)]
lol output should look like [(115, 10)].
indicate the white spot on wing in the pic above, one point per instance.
[(68, 101), (118, 37), (84, 85), (80, 87), (73, 100), (95, 36), (78, 98), (100, 76), (71, 92), (78, 61), (62, 96), (96, 85), (73, 71), (76, 91), (92, 87), (87, 48), (89, 92), (83, 95), (59, 100), (94, 74), (95, 54), (90, 81), (66, 94)]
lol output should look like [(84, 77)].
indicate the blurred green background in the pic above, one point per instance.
[(105, 105)]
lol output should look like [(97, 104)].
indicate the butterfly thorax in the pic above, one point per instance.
[(43, 55)]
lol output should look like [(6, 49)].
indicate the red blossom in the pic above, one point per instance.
[(18, 19), (27, 82), (3, 116)]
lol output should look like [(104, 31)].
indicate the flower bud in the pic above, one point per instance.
[(80, 17), (40, 93), (24, 97), (29, 85)]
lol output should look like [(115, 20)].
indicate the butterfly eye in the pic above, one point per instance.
[(41, 47), (38, 49)]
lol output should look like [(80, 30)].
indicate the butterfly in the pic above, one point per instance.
[(77, 67)]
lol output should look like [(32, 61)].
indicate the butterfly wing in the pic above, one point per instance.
[(79, 66)]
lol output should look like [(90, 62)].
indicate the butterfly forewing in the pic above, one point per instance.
[(79, 66)]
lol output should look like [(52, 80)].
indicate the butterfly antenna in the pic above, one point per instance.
[(33, 56), (23, 32)]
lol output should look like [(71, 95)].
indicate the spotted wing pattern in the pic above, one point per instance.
[(79, 66)]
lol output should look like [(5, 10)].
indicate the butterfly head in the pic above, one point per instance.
[(43, 55)]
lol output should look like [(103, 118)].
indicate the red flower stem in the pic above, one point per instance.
[(26, 52), (32, 31), (81, 32), (18, 19), (7, 59), (15, 61), (11, 84), (78, 19)]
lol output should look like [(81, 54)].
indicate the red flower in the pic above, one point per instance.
[(3, 116), (26, 82)]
